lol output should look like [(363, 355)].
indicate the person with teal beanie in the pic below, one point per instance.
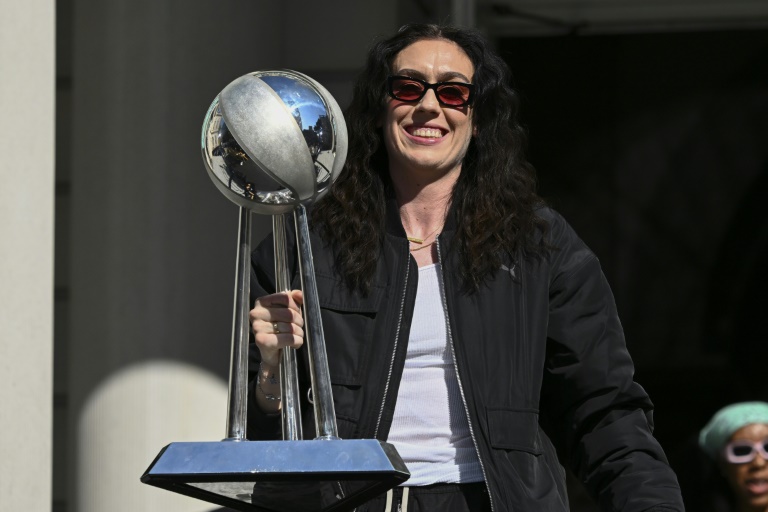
[(736, 438)]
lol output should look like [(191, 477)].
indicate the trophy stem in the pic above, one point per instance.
[(289, 378), (238, 373), (325, 415)]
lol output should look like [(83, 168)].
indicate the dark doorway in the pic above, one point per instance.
[(655, 148)]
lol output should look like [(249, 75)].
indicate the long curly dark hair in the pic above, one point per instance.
[(494, 198)]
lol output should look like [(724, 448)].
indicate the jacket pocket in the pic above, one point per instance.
[(348, 321), (514, 429), (524, 461)]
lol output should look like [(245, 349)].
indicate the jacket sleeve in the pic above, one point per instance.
[(599, 417), (261, 426)]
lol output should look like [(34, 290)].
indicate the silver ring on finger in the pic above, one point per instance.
[(275, 329)]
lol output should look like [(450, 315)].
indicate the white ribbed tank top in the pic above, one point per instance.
[(429, 428)]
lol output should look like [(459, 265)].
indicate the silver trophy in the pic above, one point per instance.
[(273, 142)]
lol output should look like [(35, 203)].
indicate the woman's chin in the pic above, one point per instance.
[(756, 502)]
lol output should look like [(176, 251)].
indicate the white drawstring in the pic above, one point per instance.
[(402, 506), (388, 506)]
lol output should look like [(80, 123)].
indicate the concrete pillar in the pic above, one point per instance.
[(153, 241), (26, 257)]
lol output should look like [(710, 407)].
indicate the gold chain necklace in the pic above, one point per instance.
[(421, 240), (430, 244)]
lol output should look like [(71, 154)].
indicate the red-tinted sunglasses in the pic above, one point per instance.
[(743, 451), (449, 94)]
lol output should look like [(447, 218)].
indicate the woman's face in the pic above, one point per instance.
[(749, 480), (425, 137)]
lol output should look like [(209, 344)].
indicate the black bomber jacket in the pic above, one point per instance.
[(540, 355)]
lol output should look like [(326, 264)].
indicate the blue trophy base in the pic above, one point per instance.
[(279, 476)]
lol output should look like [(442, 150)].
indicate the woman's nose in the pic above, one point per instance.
[(429, 100)]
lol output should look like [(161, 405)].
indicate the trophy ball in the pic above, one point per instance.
[(272, 140)]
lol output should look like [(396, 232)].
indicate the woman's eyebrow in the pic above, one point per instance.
[(442, 77), (452, 75)]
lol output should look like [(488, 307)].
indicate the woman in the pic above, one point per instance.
[(736, 439), (465, 322)]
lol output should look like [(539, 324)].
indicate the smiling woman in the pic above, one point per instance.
[(466, 323)]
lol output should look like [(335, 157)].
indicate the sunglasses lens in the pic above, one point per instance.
[(453, 94), (739, 452), (407, 90)]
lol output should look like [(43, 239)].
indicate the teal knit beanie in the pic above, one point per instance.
[(728, 420)]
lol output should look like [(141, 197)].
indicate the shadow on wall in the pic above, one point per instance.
[(130, 417)]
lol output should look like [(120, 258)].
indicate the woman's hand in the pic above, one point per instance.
[(276, 322)]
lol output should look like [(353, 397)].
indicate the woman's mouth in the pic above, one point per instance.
[(427, 133), (757, 486)]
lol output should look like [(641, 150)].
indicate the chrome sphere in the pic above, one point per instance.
[(274, 139)]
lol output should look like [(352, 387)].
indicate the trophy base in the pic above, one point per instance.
[(279, 476)]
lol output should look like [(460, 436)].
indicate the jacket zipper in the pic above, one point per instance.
[(394, 349), (458, 379)]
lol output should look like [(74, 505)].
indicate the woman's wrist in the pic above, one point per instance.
[(267, 378), (267, 367), (270, 360), (268, 393)]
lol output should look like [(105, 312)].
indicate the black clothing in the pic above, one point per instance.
[(432, 498), (541, 361)]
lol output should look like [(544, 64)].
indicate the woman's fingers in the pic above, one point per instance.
[(289, 300), (279, 307), (276, 328), (298, 298), (276, 322)]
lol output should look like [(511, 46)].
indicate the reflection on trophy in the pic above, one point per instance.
[(273, 142)]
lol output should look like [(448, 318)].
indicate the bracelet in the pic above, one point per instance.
[(272, 380)]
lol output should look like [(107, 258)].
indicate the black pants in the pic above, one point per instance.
[(432, 498)]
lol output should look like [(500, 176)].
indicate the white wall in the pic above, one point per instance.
[(26, 252)]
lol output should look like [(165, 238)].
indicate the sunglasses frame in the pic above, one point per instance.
[(427, 86), (760, 447)]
